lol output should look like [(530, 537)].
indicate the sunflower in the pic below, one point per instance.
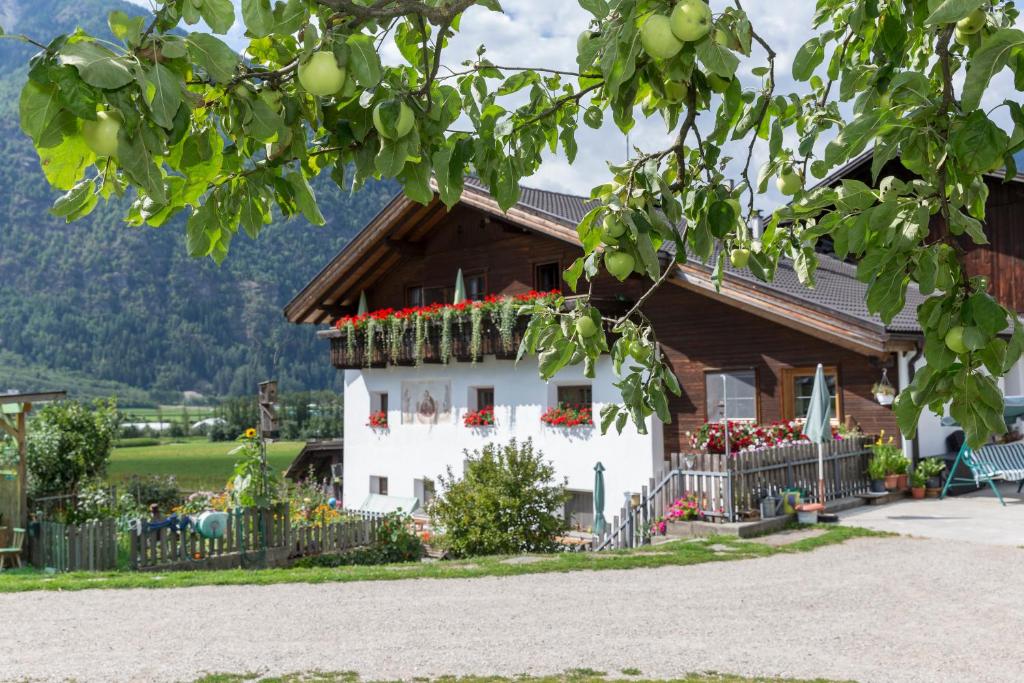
[(250, 433)]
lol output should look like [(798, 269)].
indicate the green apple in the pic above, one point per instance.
[(585, 327), (613, 226), (101, 135), (582, 41), (739, 258), (393, 119), (619, 263), (735, 204), (691, 20), (955, 340), (789, 181), (973, 22), (968, 40), (676, 91), (884, 100), (657, 38), (717, 83), (321, 75)]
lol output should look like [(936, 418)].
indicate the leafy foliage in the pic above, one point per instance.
[(69, 442), (202, 133), (394, 542), (506, 501)]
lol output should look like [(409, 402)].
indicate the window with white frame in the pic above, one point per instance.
[(731, 394), (379, 485)]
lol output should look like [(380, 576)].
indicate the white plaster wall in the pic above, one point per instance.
[(406, 452)]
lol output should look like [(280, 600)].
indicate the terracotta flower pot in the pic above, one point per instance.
[(933, 492), (892, 482), (903, 483), (917, 492)]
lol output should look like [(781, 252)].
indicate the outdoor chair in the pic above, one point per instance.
[(13, 550), (990, 462)]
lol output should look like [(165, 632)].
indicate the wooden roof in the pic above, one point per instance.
[(834, 311)]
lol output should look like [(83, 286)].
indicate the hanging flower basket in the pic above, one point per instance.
[(884, 392)]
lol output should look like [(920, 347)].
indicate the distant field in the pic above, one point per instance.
[(167, 413), (197, 464)]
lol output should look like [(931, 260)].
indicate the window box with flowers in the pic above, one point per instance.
[(566, 415), (479, 418), (436, 333), (378, 420)]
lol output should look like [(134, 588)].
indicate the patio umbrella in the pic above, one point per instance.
[(363, 308), (599, 521), (818, 427), (460, 288)]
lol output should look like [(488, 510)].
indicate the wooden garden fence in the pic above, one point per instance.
[(729, 488), (253, 538), (90, 546)]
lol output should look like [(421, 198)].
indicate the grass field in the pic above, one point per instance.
[(198, 464), (166, 413)]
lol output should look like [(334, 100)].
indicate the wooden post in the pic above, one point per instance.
[(22, 439)]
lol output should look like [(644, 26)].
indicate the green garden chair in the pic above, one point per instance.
[(13, 550)]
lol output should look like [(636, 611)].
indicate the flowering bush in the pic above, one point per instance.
[(685, 509), (479, 418), (747, 436), (378, 420), (502, 310), (565, 415)]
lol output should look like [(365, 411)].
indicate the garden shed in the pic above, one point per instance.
[(14, 409)]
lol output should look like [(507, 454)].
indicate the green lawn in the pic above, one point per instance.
[(166, 413), (197, 463), (676, 553), (573, 676)]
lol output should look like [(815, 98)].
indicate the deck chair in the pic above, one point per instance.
[(990, 462), (13, 550)]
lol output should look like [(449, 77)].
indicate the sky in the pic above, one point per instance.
[(544, 32)]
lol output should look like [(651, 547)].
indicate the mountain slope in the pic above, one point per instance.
[(127, 304)]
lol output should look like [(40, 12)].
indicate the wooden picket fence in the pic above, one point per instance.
[(91, 546), (728, 488), (254, 537), (770, 471)]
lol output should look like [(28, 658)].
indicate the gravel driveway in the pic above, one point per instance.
[(881, 606)]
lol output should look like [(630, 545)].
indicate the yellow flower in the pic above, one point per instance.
[(881, 433), (250, 433), (890, 439)]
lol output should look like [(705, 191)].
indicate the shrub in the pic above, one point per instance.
[(162, 490), (507, 502), (393, 542), (69, 442)]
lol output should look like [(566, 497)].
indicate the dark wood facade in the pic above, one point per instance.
[(699, 334)]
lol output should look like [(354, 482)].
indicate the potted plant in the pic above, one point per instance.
[(378, 420), (931, 469), (892, 458), (884, 393), (902, 466), (917, 480), (876, 473)]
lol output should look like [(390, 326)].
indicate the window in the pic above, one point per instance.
[(575, 395), (414, 296), (379, 485), (379, 401), (579, 510), (483, 397), (438, 295), (476, 287), (732, 394), (547, 276), (424, 491), (797, 384)]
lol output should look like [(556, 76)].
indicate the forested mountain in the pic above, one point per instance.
[(128, 305)]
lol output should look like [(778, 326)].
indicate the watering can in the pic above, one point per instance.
[(769, 506), (211, 524), (790, 499)]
